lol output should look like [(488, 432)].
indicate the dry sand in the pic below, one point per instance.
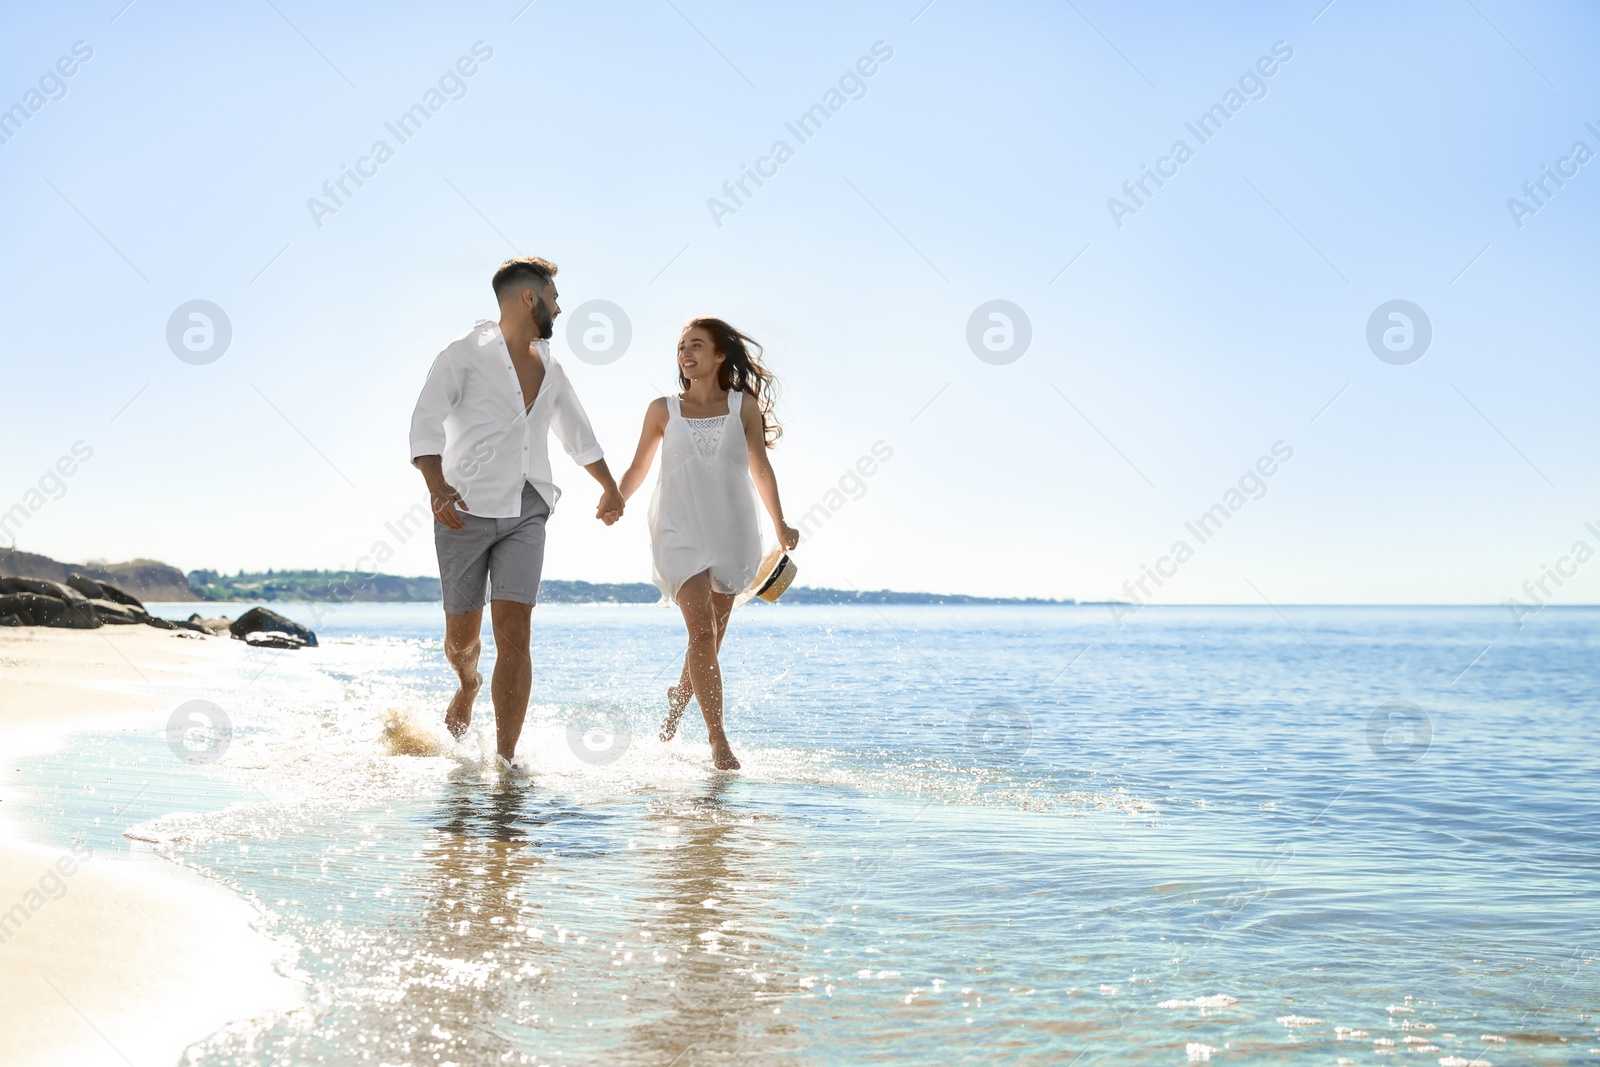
[(119, 960)]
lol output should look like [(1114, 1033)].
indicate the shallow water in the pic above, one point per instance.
[(962, 835)]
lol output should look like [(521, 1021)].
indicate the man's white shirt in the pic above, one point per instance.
[(471, 412)]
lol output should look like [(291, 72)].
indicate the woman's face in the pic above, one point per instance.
[(697, 354)]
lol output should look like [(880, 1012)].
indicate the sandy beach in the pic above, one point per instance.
[(112, 959)]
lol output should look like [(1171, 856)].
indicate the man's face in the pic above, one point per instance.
[(544, 306)]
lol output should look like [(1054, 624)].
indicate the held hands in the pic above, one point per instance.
[(788, 536), (610, 508), (444, 500)]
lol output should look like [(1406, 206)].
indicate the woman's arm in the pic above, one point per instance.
[(655, 425), (755, 439)]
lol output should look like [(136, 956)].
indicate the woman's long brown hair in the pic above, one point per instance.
[(741, 369)]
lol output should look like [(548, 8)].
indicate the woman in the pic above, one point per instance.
[(704, 529)]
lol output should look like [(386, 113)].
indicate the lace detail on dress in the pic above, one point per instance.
[(706, 435)]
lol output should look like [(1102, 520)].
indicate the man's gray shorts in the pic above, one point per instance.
[(507, 555)]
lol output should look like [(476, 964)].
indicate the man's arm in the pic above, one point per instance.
[(439, 394), (442, 496), (570, 423)]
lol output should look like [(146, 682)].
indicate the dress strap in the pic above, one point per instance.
[(735, 397), (674, 409)]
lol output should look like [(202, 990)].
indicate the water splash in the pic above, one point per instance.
[(405, 735)]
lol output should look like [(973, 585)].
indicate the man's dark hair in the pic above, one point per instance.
[(515, 274)]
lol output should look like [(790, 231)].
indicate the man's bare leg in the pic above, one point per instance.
[(700, 611), (513, 671), (678, 695), (461, 648)]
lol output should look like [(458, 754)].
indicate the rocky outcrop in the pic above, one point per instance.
[(34, 609), (115, 607), (38, 602), (267, 629), (147, 579), (113, 614), (102, 591), (80, 603), (41, 587), (276, 639)]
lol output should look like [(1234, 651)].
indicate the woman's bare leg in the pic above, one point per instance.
[(700, 616), (678, 695), (677, 700)]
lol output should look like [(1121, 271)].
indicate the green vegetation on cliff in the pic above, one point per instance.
[(271, 585)]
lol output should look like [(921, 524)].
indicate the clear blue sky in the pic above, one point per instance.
[(977, 162)]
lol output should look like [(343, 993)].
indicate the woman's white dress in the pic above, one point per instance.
[(703, 515)]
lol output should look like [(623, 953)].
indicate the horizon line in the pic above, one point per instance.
[(1042, 601)]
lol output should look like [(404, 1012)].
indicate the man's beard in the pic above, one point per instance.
[(545, 326)]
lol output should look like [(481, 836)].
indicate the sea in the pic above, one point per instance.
[(961, 835)]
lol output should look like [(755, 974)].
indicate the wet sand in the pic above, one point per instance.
[(112, 959)]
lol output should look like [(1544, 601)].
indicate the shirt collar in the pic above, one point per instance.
[(488, 332)]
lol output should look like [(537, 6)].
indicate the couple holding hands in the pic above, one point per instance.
[(480, 436)]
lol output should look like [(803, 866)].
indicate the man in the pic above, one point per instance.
[(480, 436)]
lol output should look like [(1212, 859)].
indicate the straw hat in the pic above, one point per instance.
[(775, 575)]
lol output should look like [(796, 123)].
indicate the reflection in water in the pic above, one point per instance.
[(475, 960), (475, 945), (523, 928), (722, 983)]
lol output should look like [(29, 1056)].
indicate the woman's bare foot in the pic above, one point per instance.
[(458, 716), (677, 700), (722, 757)]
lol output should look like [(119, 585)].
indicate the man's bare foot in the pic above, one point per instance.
[(677, 700), (513, 768), (458, 716), (722, 757)]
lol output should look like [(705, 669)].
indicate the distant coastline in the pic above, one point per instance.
[(353, 587), (156, 581)]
